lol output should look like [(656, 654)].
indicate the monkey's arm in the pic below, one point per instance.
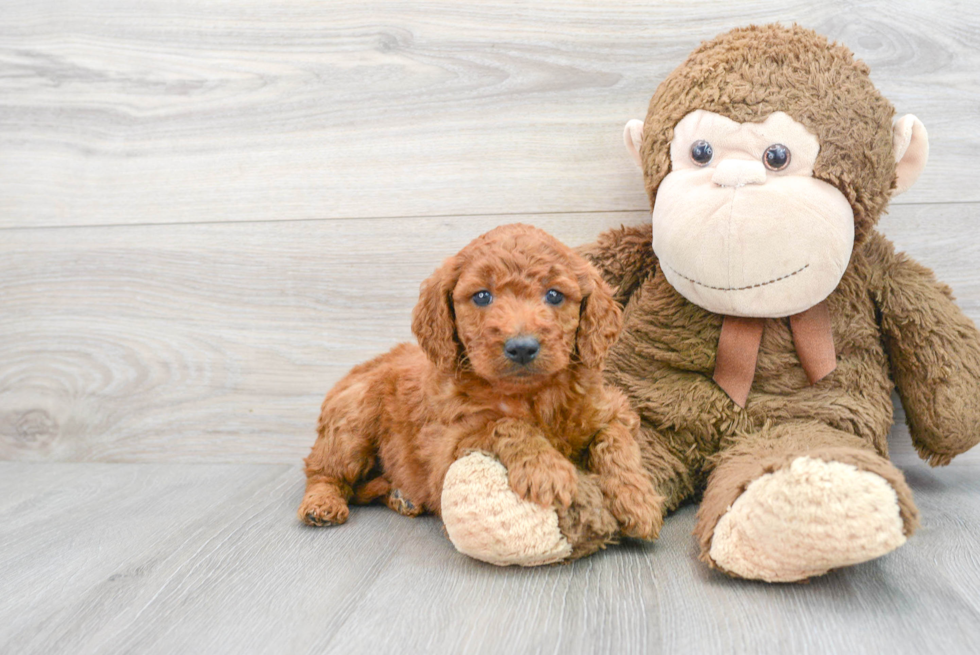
[(624, 257), (934, 350)]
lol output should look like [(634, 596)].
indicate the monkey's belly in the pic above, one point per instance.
[(666, 355)]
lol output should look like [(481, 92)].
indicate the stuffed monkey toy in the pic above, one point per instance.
[(766, 323)]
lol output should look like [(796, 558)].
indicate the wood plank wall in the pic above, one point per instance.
[(210, 211)]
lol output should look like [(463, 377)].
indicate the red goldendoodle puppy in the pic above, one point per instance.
[(513, 332)]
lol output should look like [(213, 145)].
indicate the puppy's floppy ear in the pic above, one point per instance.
[(599, 323), (433, 319)]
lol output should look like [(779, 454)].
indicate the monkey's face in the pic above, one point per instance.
[(741, 226)]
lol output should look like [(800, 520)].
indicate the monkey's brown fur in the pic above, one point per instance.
[(392, 427), (747, 74), (894, 324)]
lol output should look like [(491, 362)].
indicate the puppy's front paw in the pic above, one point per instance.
[(637, 507), (546, 479), (322, 507)]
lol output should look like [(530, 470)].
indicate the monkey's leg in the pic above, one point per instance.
[(799, 499)]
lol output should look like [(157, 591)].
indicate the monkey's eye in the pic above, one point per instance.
[(482, 298), (701, 152), (554, 297), (776, 157)]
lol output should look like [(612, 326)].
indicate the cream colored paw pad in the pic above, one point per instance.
[(807, 519), (486, 520)]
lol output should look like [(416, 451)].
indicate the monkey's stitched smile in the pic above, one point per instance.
[(750, 286)]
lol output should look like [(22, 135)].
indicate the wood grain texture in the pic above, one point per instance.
[(216, 343), (210, 211), (151, 558), (178, 111), (207, 342)]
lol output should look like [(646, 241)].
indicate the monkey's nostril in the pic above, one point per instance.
[(737, 172), (521, 349)]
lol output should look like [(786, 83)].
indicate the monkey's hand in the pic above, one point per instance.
[(537, 472), (934, 351)]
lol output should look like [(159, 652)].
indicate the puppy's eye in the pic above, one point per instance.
[(701, 152), (554, 297), (776, 157), (482, 298)]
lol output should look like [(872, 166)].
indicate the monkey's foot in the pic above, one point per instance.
[(488, 521), (806, 519)]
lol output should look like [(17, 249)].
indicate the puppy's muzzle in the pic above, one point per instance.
[(522, 350)]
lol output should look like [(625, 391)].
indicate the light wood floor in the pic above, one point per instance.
[(210, 211)]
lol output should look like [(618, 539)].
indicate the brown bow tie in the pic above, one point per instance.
[(738, 349)]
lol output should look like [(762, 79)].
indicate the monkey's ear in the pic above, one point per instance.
[(633, 137), (911, 151)]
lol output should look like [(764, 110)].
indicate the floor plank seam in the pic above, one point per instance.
[(584, 212)]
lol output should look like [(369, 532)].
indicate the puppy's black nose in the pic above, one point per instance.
[(522, 349)]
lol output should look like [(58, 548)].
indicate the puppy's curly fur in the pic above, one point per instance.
[(392, 427)]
